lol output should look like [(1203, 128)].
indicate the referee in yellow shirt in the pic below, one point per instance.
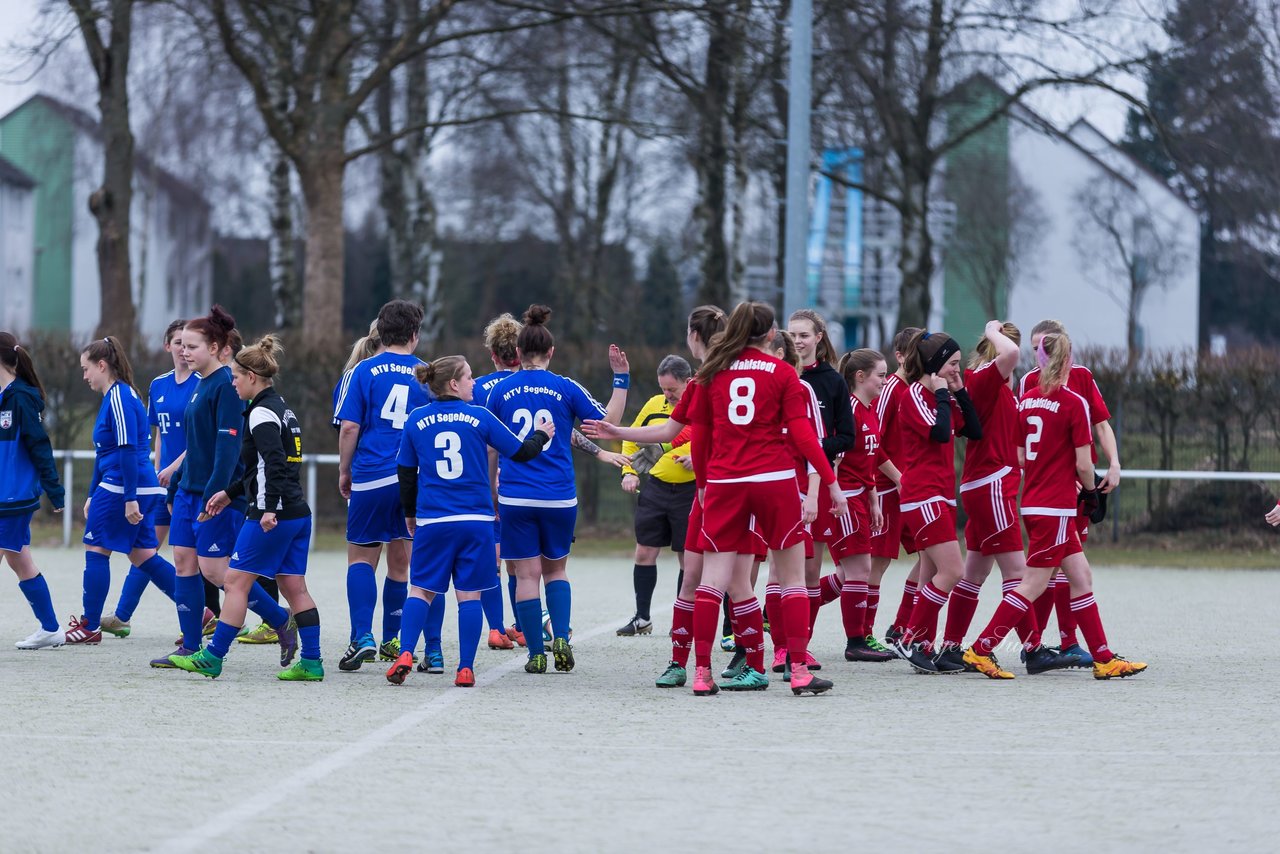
[(662, 510)]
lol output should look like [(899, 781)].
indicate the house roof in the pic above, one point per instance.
[(10, 174), (181, 190)]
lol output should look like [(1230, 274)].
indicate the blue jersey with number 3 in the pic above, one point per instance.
[(381, 394), (448, 442), (522, 400)]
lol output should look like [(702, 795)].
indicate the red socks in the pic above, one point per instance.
[(777, 622), (831, 586), (853, 608), (1066, 620), (1013, 609), (924, 616), (748, 629), (795, 612), (907, 604), (873, 604), (961, 606), (681, 631), (1086, 613), (706, 623), (815, 603), (1043, 606)]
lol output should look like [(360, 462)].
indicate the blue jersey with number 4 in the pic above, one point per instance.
[(382, 392), (166, 402), (522, 400), (448, 442)]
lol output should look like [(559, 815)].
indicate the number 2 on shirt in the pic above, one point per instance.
[(742, 401), (524, 420), (396, 408), (1036, 423)]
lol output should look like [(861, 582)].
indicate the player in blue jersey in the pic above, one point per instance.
[(202, 545), (274, 540), (443, 469), (369, 345), (26, 470), (166, 401), (538, 500), (123, 492), (382, 392)]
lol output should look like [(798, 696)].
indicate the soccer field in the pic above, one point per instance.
[(103, 753)]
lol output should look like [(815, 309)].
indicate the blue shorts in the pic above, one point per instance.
[(375, 516), (15, 531), (280, 551), (461, 551), (497, 530), (215, 537), (107, 528), (529, 532), (162, 516)]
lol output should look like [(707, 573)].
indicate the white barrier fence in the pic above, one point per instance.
[(311, 462)]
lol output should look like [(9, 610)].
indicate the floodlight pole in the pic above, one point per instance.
[(800, 73)]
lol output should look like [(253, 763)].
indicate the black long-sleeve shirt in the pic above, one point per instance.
[(834, 406), (272, 455)]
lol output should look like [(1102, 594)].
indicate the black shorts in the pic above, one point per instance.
[(662, 513)]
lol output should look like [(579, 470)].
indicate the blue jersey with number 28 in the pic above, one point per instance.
[(381, 394), (522, 400)]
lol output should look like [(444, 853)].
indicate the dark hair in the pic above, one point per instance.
[(14, 357), (864, 359), (261, 358), (174, 326), (786, 342), (398, 322), (825, 352), (111, 351), (535, 339), (901, 340), (675, 366), (925, 348), (438, 373), (748, 325), (707, 320), (501, 337), (216, 327)]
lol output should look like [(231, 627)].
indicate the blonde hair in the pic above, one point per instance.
[(364, 348), (261, 358), (438, 373), (985, 351), (500, 337), (1044, 327), (1054, 370)]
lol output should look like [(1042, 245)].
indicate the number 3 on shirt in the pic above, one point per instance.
[(1036, 423), (742, 401), (396, 409), (449, 468)]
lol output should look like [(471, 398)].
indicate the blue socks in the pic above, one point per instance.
[(411, 623), (362, 598), (393, 596), (491, 602), (37, 592), (97, 583), (529, 613), (435, 623), (161, 573), (189, 596), (511, 597), (222, 638), (261, 603), (559, 605), (469, 628), (309, 633), (131, 592)]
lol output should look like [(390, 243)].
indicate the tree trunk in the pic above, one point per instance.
[(711, 160), (323, 272), (915, 260), (110, 203), (285, 288)]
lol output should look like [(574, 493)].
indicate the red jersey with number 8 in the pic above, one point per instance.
[(743, 412), (1054, 424)]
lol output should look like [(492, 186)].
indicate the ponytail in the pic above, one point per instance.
[(14, 357), (111, 351), (438, 373), (748, 325), (1054, 357), (985, 351), (927, 353)]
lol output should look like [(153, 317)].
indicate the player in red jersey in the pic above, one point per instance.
[(705, 321), (886, 539), (934, 410), (747, 396), (1057, 451), (864, 371), (1080, 380)]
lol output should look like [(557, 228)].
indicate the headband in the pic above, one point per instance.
[(946, 349)]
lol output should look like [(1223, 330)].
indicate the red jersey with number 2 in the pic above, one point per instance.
[(1054, 424), (743, 412)]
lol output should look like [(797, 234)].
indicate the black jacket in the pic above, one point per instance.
[(272, 455), (837, 413)]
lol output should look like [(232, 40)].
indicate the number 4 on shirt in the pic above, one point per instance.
[(396, 408)]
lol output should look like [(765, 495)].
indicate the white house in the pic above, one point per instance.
[(17, 246)]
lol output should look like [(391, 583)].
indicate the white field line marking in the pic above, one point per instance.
[(285, 788)]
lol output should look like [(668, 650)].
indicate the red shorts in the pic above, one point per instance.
[(1082, 528), (992, 509), (693, 541), (931, 523), (1050, 539), (884, 542), (853, 529), (825, 527), (737, 513)]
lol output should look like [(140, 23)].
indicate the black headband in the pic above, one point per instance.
[(945, 351)]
